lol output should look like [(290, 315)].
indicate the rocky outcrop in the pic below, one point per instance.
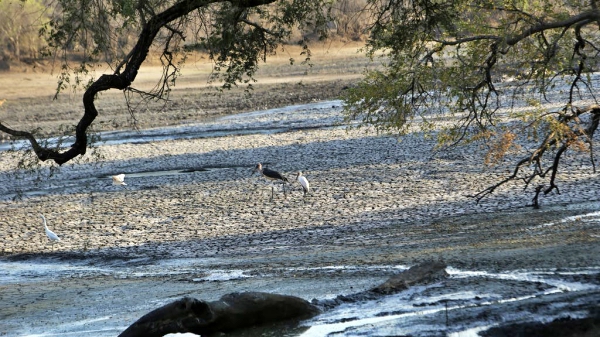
[(419, 274), (424, 273), (241, 310), (233, 311)]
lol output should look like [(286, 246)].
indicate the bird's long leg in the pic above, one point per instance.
[(272, 192)]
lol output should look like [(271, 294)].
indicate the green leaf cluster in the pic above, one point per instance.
[(474, 62)]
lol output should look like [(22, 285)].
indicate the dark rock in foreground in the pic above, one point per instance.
[(231, 312), (242, 310)]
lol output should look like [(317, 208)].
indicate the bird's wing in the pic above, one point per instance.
[(273, 174), (52, 235), (304, 182)]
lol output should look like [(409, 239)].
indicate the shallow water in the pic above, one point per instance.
[(433, 309), (467, 302), (101, 297)]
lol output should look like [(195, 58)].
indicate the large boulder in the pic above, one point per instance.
[(231, 312), (423, 273), (241, 310)]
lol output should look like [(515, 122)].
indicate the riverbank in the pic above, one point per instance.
[(194, 221), (188, 189)]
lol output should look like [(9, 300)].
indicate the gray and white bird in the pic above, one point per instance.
[(119, 179), (271, 175), (304, 182), (51, 235)]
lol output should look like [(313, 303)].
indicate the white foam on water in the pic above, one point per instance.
[(19, 272), (325, 329), (455, 296), (580, 217), (72, 333), (222, 275), (472, 332), (340, 319), (350, 267), (88, 321), (574, 271), (401, 307), (35, 271), (524, 277)]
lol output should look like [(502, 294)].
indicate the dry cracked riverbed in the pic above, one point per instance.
[(193, 221)]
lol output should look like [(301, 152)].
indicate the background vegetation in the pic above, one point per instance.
[(25, 28), (20, 24)]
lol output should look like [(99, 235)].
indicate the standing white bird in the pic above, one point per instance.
[(51, 235), (304, 182), (119, 179)]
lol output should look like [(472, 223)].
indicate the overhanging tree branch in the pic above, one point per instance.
[(120, 80), (458, 50)]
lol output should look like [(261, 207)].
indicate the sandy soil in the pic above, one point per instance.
[(30, 103), (375, 201)]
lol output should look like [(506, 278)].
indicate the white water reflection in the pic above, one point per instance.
[(98, 332), (196, 270), (396, 268), (595, 217), (222, 275), (45, 270), (472, 332), (420, 310), (530, 277), (417, 311)]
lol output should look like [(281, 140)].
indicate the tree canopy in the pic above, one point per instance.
[(494, 67), (236, 34)]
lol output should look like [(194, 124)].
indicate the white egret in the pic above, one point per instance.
[(271, 175), (51, 235), (119, 179), (304, 182)]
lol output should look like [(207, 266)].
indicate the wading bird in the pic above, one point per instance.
[(304, 182), (271, 175), (53, 237), (119, 179)]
